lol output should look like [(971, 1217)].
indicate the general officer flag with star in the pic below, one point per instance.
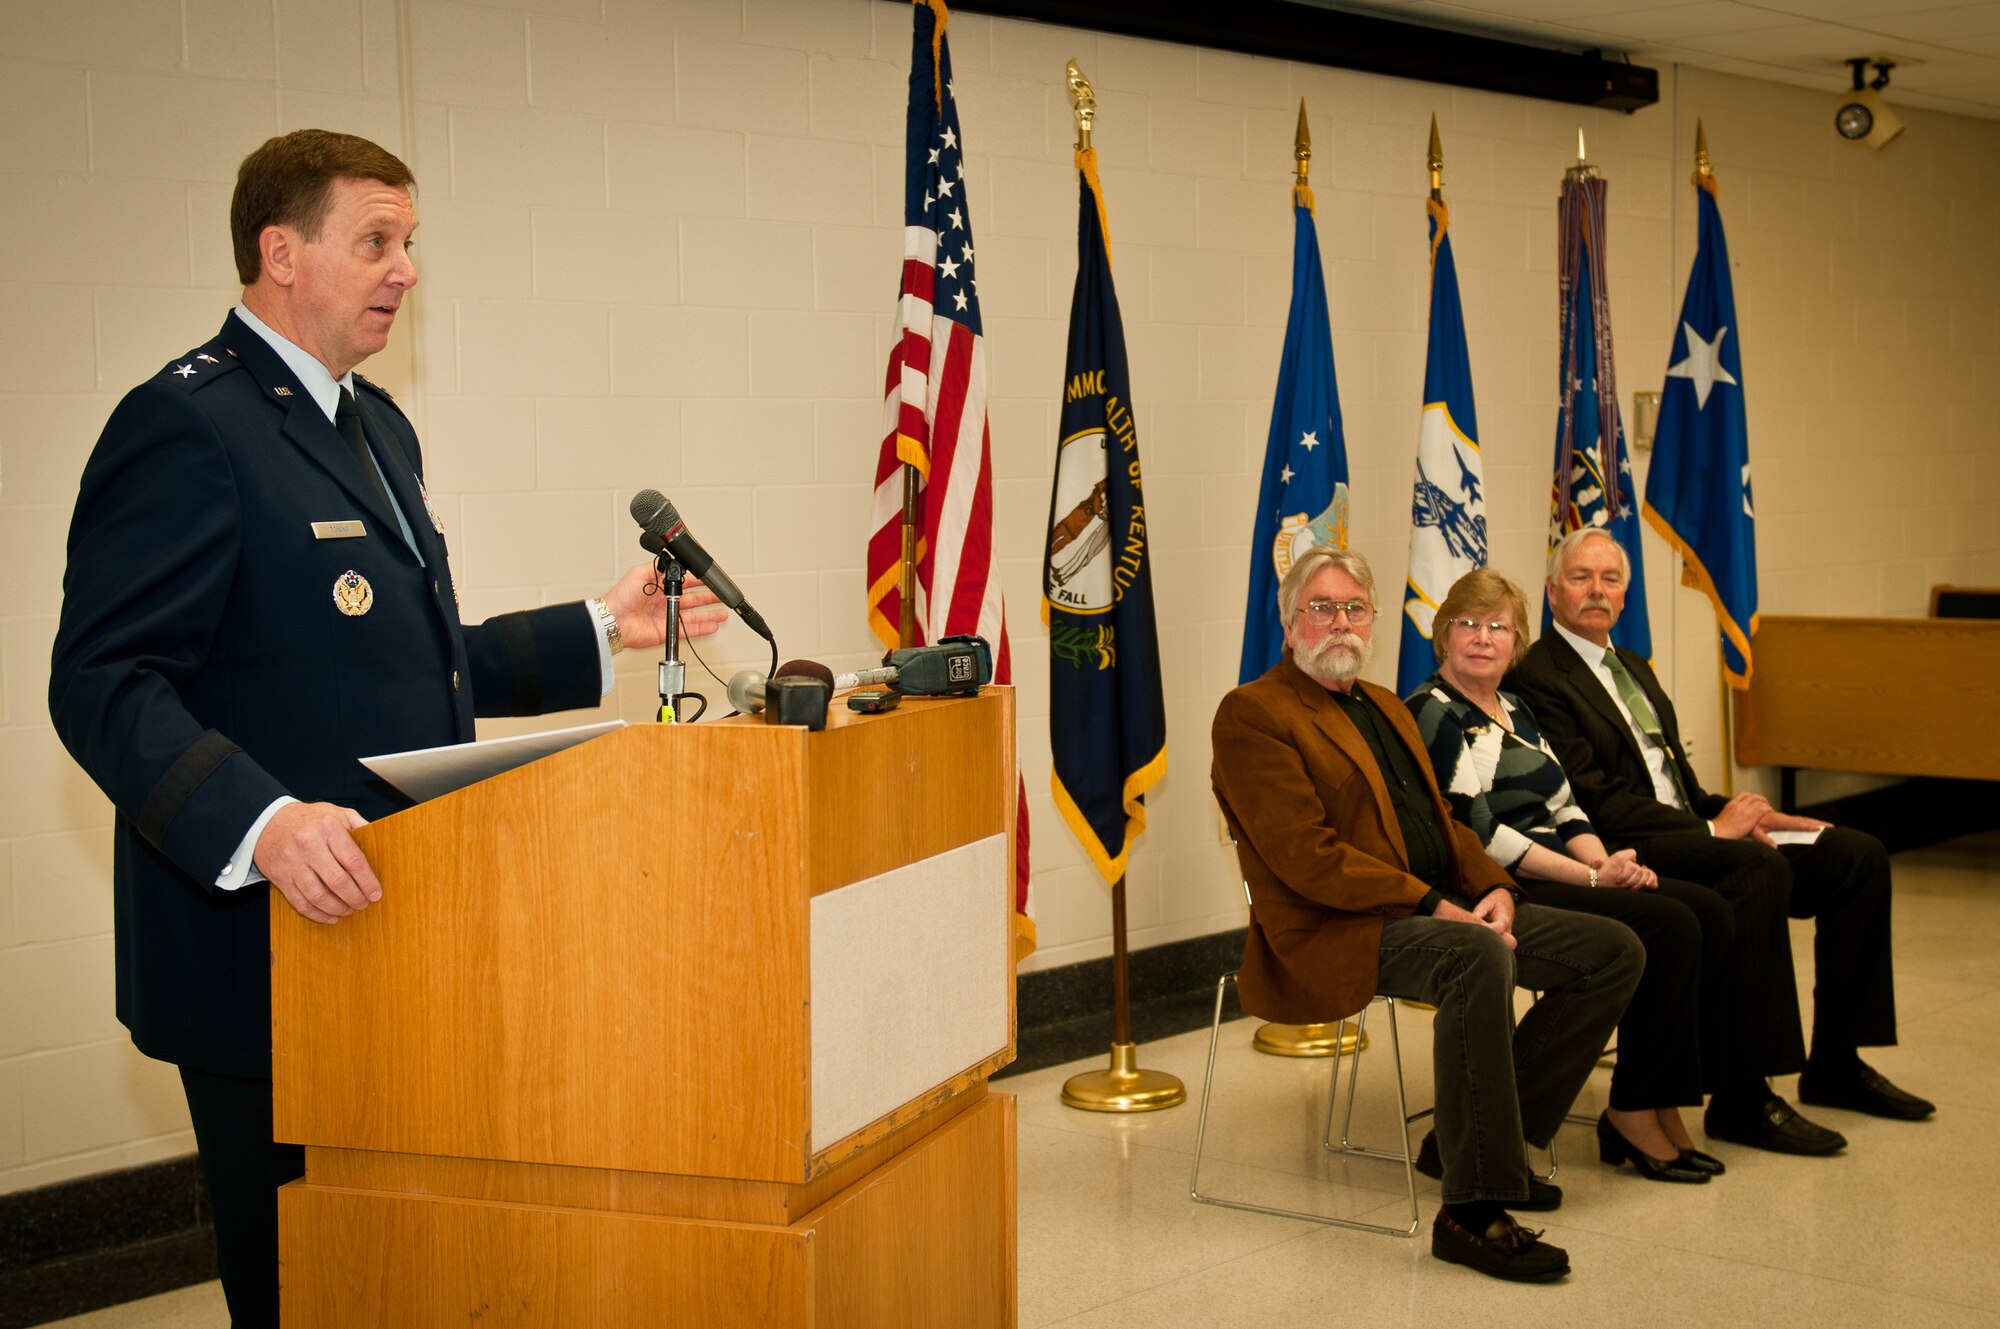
[(1593, 483), (1698, 490), (1447, 506), (1303, 499), (1107, 715)]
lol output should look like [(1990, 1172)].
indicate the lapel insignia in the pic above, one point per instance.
[(282, 392), (352, 595), (424, 494), (185, 371), (207, 359)]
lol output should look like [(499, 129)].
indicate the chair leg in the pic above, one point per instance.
[(1207, 1083), (1201, 1134)]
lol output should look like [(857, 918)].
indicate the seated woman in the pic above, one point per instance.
[(1504, 782)]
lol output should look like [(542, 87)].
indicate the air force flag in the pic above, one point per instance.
[(1698, 490), (1303, 500), (1447, 511)]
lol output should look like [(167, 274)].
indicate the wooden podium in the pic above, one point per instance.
[(687, 1025)]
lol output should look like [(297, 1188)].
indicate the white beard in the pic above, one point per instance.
[(1338, 659)]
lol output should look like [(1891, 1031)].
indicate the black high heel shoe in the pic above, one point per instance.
[(1700, 1162), (1614, 1148)]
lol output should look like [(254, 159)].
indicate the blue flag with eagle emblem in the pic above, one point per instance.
[(1303, 499), (1698, 490), (1447, 507)]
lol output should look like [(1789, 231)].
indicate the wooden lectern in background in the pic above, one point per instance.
[(687, 1025)]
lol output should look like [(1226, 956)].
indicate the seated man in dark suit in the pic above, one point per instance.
[(1362, 883), (1616, 735)]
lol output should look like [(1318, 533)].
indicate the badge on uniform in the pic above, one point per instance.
[(352, 595), (425, 495)]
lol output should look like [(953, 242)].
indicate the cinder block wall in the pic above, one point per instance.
[(660, 246)]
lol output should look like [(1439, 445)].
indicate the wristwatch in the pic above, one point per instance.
[(609, 622)]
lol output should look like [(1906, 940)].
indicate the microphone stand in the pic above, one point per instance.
[(673, 674)]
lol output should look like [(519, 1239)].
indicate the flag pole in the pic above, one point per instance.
[(1124, 1086), (1703, 171), (1340, 1038)]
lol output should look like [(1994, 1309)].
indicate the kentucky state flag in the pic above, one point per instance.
[(1303, 500), (1698, 490), (1107, 718), (1593, 483), (1447, 509)]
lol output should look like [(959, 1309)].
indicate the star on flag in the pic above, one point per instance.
[(1703, 366)]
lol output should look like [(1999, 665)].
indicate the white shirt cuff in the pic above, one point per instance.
[(241, 870), (605, 678)]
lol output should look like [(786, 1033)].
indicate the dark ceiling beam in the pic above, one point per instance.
[(1287, 30)]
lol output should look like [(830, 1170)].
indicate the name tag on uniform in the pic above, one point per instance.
[(338, 530)]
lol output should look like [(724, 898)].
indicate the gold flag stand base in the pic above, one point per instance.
[(1124, 1087), (1309, 1040)]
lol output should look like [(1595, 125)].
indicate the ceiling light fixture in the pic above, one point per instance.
[(1862, 114)]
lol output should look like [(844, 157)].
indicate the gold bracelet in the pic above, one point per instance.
[(1593, 878)]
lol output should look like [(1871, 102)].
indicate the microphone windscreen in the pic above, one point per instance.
[(806, 669), (646, 505)]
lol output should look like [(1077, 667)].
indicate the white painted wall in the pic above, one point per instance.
[(660, 247)]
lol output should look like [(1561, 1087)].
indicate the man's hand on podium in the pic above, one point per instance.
[(308, 853)]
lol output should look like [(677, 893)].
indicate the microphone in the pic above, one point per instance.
[(746, 691), (657, 519), (798, 693), (956, 666)]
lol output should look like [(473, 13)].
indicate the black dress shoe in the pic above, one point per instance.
[(1542, 1195), (1775, 1126), (1505, 1250), (1614, 1148), (1863, 1089), (1700, 1162)]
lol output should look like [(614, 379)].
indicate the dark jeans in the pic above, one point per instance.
[(1689, 936), (242, 1169), (1498, 1083), (1842, 882)]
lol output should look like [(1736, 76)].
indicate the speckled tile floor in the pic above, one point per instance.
[(1899, 1230)]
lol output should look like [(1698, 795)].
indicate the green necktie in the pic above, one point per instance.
[(1643, 714)]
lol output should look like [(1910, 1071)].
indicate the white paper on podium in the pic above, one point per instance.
[(426, 773)]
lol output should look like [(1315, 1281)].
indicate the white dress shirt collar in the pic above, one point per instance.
[(321, 386)]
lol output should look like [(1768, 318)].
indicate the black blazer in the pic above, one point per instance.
[(201, 667), (1596, 747)]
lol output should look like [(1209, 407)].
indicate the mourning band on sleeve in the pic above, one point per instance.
[(524, 671), (185, 776)]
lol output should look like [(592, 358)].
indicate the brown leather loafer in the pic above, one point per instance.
[(1505, 1250)]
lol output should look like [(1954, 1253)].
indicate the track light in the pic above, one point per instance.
[(1862, 114)]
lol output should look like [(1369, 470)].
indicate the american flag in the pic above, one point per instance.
[(935, 409)]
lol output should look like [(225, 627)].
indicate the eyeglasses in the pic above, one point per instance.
[(1321, 613), (1494, 628)]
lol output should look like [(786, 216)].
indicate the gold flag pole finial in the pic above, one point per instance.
[(1435, 160), (1583, 170), (1302, 145), (1701, 167), (1085, 102)]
